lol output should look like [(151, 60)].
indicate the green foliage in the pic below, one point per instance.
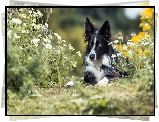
[(100, 106), (139, 51), (35, 54), (18, 76)]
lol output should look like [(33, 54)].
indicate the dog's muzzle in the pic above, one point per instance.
[(92, 56)]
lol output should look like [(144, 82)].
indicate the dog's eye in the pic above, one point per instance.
[(91, 44), (100, 45)]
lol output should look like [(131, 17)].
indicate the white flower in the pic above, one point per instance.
[(24, 24), (110, 43), (16, 36), (151, 71), (59, 42), (70, 47), (145, 43), (74, 64), (113, 56), (130, 43), (133, 34), (49, 46), (146, 24), (21, 9), (58, 37), (46, 40), (34, 14), (17, 21), (61, 48), (58, 51), (64, 45), (38, 26), (63, 40), (24, 15), (50, 36), (30, 11), (39, 13), (120, 37), (130, 52), (35, 41), (119, 54), (116, 41), (23, 31), (33, 24), (114, 46), (65, 58), (78, 53), (46, 25)]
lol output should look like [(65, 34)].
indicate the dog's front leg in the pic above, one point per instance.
[(110, 72), (90, 78)]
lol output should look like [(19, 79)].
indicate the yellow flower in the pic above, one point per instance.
[(136, 38), (139, 52), (142, 24), (119, 47), (147, 13), (147, 27), (145, 52), (126, 53), (152, 10)]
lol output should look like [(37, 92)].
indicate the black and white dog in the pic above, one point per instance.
[(100, 57)]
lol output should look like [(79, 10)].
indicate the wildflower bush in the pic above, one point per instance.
[(137, 56), (35, 54)]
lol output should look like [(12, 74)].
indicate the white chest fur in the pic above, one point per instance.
[(95, 67)]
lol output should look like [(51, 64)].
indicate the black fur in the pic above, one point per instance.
[(101, 48)]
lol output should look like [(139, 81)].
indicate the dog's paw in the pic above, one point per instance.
[(104, 81)]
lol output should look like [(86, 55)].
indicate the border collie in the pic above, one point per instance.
[(100, 57)]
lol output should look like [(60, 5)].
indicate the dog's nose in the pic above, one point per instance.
[(92, 56)]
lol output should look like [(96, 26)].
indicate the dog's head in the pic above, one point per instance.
[(98, 40)]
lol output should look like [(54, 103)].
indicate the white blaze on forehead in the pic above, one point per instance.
[(93, 49)]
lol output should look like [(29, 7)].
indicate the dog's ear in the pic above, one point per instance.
[(105, 30), (88, 27)]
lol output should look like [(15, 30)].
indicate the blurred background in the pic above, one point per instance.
[(69, 24)]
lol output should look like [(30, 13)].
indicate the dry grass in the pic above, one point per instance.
[(116, 98)]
